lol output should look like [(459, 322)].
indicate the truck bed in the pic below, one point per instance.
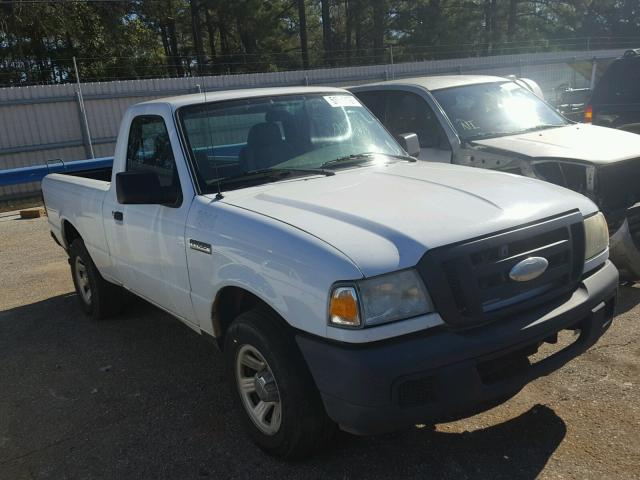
[(103, 174), (77, 198)]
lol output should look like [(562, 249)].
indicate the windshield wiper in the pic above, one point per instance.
[(365, 156), (286, 171), (482, 136), (408, 158), (266, 175), (542, 126)]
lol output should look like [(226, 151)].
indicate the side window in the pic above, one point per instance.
[(407, 112), (374, 101), (551, 173), (149, 149)]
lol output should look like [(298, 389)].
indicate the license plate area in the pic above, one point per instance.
[(517, 362), (554, 344)]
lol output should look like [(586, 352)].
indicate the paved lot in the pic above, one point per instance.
[(141, 396)]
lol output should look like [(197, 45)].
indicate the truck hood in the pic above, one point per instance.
[(590, 143), (385, 217)]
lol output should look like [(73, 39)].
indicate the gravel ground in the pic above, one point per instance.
[(141, 396)]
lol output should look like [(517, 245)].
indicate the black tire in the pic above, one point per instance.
[(105, 299), (304, 425)]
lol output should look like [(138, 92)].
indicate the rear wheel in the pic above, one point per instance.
[(98, 298), (281, 406)]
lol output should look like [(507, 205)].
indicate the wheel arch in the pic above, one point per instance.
[(231, 301), (69, 233)]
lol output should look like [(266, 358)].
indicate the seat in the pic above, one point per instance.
[(265, 147), (292, 128)]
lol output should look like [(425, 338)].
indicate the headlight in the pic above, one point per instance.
[(378, 300), (596, 235)]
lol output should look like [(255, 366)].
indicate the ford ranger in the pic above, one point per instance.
[(347, 284), (497, 123)]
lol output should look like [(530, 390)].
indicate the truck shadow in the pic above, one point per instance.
[(517, 448), (141, 396)]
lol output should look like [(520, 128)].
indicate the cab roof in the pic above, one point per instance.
[(438, 82), (238, 94)]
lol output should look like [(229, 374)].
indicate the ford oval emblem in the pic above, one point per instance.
[(528, 269)]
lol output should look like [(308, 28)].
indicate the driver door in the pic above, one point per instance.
[(408, 112), (148, 240)]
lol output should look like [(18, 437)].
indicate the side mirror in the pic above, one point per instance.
[(139, 187), (410, 143)]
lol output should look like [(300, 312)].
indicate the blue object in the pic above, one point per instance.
[(17, 176)]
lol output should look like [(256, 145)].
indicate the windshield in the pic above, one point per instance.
[(495, 109), (243, 143)]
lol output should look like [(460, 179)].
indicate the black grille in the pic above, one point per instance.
[(617, 185), (470, 284)]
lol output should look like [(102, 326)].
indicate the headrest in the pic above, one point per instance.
[(266, 133), (278, 116)]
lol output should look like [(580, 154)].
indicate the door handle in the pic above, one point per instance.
[(118, 216)]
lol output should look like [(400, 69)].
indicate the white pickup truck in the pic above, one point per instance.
[(346, 283), (498, 123)]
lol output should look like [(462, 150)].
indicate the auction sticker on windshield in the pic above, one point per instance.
[(342, 101)]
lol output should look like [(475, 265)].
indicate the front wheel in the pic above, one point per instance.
[(281, 405)]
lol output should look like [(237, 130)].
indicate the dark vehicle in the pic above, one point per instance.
[(616, 98), (571, 103)]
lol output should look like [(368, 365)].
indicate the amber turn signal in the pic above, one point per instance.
[(343, 308)]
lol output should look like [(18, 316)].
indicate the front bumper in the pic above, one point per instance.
[(441, 374), (624, 252)]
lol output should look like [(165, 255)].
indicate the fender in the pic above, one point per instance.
[(289, 269)]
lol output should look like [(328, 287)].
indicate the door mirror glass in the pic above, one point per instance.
[(410, 143)]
